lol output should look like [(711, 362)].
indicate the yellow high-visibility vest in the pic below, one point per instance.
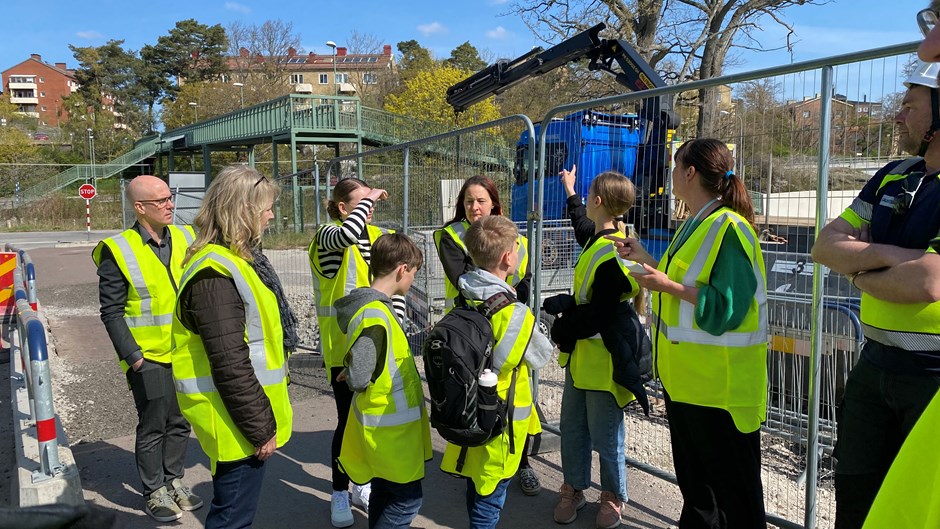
[(590, 363), (727, 371), (457, 231), (909, 497), (387, 435), (152, 287), (198, 397), (353, 273), (493, 462)]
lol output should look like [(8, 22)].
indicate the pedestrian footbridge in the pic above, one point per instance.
[(294, 119)]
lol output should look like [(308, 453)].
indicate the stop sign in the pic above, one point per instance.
[(87, 191)]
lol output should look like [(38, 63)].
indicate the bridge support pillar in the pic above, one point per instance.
[(295, 189), (207, 163)]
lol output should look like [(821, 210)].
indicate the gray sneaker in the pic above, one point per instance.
[(161, 507), (184, 497)]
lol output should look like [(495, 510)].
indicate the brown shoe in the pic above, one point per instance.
[(570, 501), (608, 516)]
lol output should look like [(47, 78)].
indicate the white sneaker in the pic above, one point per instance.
[(360, 496), (340, 513)]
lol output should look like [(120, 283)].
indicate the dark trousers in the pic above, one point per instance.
[(394, 505), (877, 412), (343, 397), (162, 432), (718, 469), (236, 488)]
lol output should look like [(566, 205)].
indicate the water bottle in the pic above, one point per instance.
[(487, 381)]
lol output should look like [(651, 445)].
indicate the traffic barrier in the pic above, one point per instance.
[(46, 471)]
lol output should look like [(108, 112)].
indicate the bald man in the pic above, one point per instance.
[(138, 275)]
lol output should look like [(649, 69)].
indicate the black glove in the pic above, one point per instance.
[(559, 303)]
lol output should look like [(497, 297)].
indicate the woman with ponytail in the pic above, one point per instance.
[(602, 344), (709, 330)]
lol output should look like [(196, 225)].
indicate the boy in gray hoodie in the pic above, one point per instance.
[(387, 439)]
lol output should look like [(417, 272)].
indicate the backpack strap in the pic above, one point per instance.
[(511, 394), (495, 303)]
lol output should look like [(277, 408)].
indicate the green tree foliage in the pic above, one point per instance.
[(423, 98), (414, 58), (191, 51), (465, 57), (107, 77), (212, 98)]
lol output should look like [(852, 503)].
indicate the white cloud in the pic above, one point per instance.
[(235, 6), (91, 34), (498, 33), (431, 29), (498, 2)]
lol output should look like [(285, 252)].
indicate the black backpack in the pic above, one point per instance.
[(457, 350)]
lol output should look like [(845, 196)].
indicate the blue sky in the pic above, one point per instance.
[(48, 28)]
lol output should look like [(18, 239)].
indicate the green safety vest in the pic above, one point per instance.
[(590, 363), (353, 273), (198, 397), (152, 287), (387, 435), (909, 497), (493, 462), (457, 231), (727, 371)]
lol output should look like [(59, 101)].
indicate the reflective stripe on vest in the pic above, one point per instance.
[(457, 231), (404, 413), (253, 330)]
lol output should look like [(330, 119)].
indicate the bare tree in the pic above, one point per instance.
[(371, 85), (256, 57), (697, 35)]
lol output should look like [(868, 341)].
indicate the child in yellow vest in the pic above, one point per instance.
[(387, 437), (491, 243)]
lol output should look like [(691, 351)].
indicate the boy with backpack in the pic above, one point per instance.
[(387, 438), (512, 346)]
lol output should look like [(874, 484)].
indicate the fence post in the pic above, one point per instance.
[(316, 189), (44, 409), (812, 427), (405, 213)]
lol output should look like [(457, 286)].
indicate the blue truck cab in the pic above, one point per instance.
[(593, 141)]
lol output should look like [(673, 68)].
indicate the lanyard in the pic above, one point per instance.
[(690, 222)]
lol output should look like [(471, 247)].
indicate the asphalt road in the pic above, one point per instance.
[(98, 415)]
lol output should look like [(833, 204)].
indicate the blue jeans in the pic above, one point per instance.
[(592, 419), (393, 505), (484, 510), (236, 487)]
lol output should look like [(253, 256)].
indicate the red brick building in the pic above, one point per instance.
[(38, 88)]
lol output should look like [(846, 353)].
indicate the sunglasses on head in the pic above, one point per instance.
[(926, 20)]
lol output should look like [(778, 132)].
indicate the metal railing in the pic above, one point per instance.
[(34, 357)]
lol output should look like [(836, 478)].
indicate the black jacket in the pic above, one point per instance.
[(211, 307)]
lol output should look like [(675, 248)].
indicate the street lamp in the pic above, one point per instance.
[(332, 44), (241, 87), (195, 109), (91, 155)]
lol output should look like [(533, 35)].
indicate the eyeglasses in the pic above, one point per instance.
[(158, 202), (262, 179), (927, 20)]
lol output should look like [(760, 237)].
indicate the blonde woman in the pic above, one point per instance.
[(232, 329)]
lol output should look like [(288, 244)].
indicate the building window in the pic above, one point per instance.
[(42, 79), (806, 114), (341, 78), (43, 108), (296, 78), (324, 78), (370, 78), (42, 94), (224, 78)]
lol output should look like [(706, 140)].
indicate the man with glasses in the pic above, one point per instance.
[(139, 272), (887, 243)]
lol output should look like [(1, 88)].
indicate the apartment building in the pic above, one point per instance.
[(38, 89)]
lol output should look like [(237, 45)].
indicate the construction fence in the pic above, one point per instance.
[(805, 139)]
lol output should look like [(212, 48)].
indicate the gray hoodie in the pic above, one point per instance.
[(481, 285), (362, 359)]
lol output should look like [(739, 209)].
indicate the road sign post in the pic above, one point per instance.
[(88, 192)]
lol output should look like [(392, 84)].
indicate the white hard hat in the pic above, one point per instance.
[(925, 74)]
